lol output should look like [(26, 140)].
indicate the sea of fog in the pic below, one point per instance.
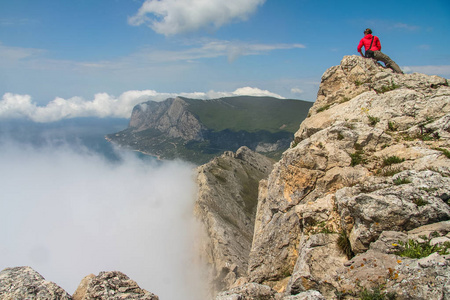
[(72, 205)]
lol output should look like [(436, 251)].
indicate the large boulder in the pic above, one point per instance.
[(112, 285), (26, 283), (308, 274)]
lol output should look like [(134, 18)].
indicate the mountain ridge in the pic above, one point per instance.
[(198, 130)]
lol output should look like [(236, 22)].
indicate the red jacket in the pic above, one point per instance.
[(366, 40)]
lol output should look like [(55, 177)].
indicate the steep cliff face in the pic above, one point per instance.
[(226, 208), (368, 169), (169, 117)]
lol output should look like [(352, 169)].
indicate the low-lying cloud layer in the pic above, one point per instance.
[(103, 105), (171, 17), (70, 213)]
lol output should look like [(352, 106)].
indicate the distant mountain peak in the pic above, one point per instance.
[(197, 130)]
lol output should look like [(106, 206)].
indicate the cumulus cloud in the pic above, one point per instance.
[(429, 70), (69, 213), (103, 105), (171, 17)]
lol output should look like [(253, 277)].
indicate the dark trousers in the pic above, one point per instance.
[(380, 56)]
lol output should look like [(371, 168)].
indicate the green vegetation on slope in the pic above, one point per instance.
[(250, 113)]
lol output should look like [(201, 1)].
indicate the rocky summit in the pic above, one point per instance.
[(359, 205)]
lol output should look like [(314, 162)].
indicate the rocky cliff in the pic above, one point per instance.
[(226, 208), (199, 130), (359, 205)]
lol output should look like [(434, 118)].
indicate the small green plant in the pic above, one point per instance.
[(345, 99), (376, 294), (322, 228), (435, 234), (357, 146), (340, 136), (400, 181), (339, 295), (387, 88), (420, 202), (428, 189), (349, 125), (344, 244), (388, 161), (414, 249), (428, 120), (373, 120), (389, 171), (444, 151), (323, 108), (357, 158), (392, 126), (425, 137)]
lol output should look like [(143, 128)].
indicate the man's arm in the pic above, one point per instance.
[(360, 47)]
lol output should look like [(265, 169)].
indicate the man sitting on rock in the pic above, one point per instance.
[(372, 48)]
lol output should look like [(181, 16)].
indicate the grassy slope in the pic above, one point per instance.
[(250, 113)]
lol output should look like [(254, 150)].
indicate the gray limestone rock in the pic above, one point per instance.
[(250, 291), (319, 258), (308, 295), (26, 283), (370, 157), (226, 207), (112, 285), (169, 117), (398, 207)]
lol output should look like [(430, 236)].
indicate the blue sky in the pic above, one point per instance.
[(55, 52)]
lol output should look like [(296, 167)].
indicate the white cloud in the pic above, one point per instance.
[(68, 213), (9, 55), (429, 70), (297, 91), (103, 105), (208, 49), (171, 17), (143, 59)]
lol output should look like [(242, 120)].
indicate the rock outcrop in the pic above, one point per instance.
[(170, 117), (26, 283), (226, 208), (370, 163), (111, 285)]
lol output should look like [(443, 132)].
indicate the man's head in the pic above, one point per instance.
[(368, 31)]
